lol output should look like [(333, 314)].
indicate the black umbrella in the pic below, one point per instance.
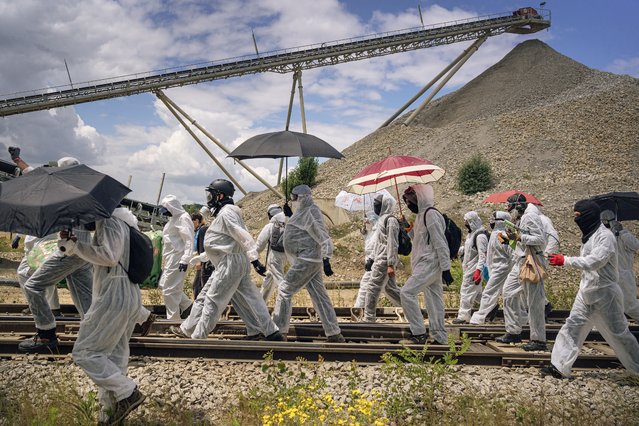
[(284, 144), (48, 200), (624, 204)]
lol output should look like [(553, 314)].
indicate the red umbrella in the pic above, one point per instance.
[(502, 197), (394, 170)]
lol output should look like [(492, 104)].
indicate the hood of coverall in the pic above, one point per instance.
[(304, 198), (425, 196), (279, 217), (172, 204), (500, 216), (68, 161), (474, 221), (388, 204), (126, 216)]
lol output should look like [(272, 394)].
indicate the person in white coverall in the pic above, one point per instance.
[(177, 251), (552, 246), (627, 245), (309, 248), (25, 271), (102, 346), (384, 256), (430, 263), (599, 301), (473, 263), (530, 237), (231, 249), (275, 256), (370, 224), (499, 261)]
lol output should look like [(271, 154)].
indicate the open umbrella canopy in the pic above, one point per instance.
[(284, 144), (48, 200), (502, 197), (624, 204), (392, 171)]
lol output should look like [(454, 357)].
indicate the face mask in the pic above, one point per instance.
[(492, 225), (515, 214), (468, 227), (413, 207), (90, 226), (377, 207)]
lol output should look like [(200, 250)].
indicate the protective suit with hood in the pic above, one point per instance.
[(531, 237), (385, 258), (231, 249), (102, 346), (473, 263), (430, 263), (499, 261), (177, 251), (275, 260), (599, 299), (309, 248), (370, 223)]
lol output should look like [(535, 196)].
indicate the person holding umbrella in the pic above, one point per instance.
[(430, 263), (309, 246), (271, 238)]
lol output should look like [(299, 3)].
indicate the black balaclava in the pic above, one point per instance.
[(468, 227), (492, 220), (90, 226), (589, 218), (410, 198), (377, 206)]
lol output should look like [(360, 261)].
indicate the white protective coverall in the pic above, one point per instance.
[(307, 243), (177, 248), (369, 243), (628, 245), (475, 247), (275, 260), (429, 258), (384, 254), (102, 346), (499, 259), (25, 271), (552, 236), (231, 249), (534, 238), (599, 303)]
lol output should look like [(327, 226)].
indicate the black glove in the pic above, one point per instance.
[(183, 267), (328, 271), (259, 268), (369, 265), (14, 152), (447, 278), (287, 210), (15, 242)]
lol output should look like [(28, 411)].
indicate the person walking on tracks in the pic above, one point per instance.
[(271, 238), (599, 301)]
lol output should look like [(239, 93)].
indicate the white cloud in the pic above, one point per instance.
[(628, 66)]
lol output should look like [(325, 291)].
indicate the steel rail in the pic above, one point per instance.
[(282, 61)]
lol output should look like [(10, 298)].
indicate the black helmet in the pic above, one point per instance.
[(517, 201), (221, 186)]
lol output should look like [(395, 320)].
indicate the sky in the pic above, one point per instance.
[(137, 138)]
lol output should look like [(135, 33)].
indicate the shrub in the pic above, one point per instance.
[(303, 174), (475, 175)]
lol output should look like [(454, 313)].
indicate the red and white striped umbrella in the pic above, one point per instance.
[(394, 170)]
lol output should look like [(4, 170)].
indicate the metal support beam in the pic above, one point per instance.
[(472, 50), (194, 136), (301, 92), (216, 141), (288, 123)]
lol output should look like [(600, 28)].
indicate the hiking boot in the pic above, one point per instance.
[(177, 330), (357, 314), (254, 337), (145, 327), (26, 311), (125, 406), (460, 321), (492, 314), (509, 338), (551, 371), (419, 339), (185, 313), (38, 344), (276, 337), (535, 345), (547, 310), (335, 338)]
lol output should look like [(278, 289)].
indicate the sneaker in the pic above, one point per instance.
[(419, 339), (185, 313), (459, 321), (547, 310), (551, 371), (125, 406), (492, 314), (145, 327), (336, 338), (509, 338), (38, 344), (535, 345), (276, 337), (258, 336), (177, 330)]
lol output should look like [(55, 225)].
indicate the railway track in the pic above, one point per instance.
[(366, 342)]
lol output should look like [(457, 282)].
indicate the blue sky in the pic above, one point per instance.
[(136, 136)]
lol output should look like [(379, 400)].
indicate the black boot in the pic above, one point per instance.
[(492, 314), (45, 341), (509, 338)]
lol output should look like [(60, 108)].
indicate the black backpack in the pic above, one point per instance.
[(276, 242), (482, 232), (452, 232), (140, 256), (404, 244)]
